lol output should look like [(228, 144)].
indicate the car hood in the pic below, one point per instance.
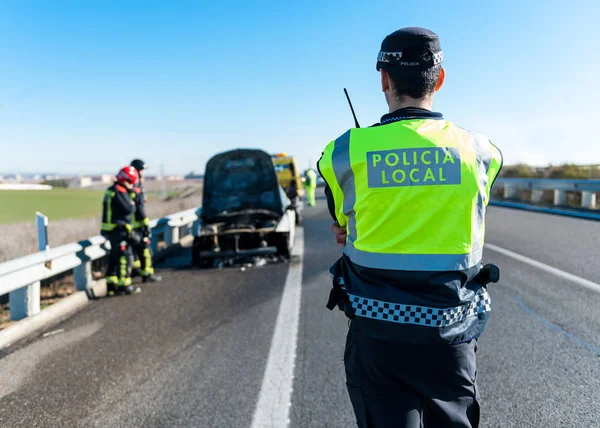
[(241, 182)]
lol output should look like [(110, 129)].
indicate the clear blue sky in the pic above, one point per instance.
[(87, 85)]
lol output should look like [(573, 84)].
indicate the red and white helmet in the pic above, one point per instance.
[(128, 174)]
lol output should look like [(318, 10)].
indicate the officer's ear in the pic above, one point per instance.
[(441, 80), (385, 81)]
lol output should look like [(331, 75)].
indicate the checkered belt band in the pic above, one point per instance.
[(421, 315)]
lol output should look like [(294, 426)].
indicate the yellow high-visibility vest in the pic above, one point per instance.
[(412, 194)]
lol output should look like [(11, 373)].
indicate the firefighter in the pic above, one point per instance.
[(117, 226), (141, 228), (311, 186)]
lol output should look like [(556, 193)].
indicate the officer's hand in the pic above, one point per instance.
[(339, 233)]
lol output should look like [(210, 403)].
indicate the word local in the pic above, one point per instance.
[(414, 167)]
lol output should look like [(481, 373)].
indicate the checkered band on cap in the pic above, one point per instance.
[(396, 58), (389, 56), (420, 315), (438, 57)]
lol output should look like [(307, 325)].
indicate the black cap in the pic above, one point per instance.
[(403, 48), (139, 164)]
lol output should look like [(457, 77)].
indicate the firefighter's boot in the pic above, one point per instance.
[(152, 278)]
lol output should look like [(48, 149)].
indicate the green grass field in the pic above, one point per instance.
[(21, 205)]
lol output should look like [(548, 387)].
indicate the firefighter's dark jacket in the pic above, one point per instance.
[(118, 208), (140, 218)]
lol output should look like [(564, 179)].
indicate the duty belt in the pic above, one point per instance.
[(338, 296)]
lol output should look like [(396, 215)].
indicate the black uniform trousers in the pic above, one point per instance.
[(120, 258), (395, 385)]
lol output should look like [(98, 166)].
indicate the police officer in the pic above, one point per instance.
[(117, 219), (311, 186), (408, 196), (141, 228)]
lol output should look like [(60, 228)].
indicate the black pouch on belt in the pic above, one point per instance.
[(338, 295)]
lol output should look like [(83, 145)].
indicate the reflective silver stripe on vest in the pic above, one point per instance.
[(484, 155), (484, 159), (420, 315), (421, 262), (344, 175)]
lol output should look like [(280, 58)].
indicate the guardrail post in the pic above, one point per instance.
[(560, 197), (24, 302), (537, 195), (511, 192), (82, 275), (171, 235), (588, 200)]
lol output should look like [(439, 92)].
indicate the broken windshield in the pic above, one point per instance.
[(241, 180)]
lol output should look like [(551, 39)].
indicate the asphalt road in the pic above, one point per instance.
[(191, 351)]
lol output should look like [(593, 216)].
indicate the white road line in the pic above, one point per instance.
[(562, 274), (275, 400)]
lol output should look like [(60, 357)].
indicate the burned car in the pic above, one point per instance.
[(245, 212)]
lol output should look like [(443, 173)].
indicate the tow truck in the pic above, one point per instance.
[(290, 180)]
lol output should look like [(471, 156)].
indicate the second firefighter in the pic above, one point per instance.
[(141, 229)]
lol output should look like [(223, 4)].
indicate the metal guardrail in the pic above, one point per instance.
[(551, 184), (587, 188), (20, 278)]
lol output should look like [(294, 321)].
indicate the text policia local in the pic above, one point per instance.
[(414, 167)]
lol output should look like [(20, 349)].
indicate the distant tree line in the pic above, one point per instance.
[(566, 171), (56, 183)]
